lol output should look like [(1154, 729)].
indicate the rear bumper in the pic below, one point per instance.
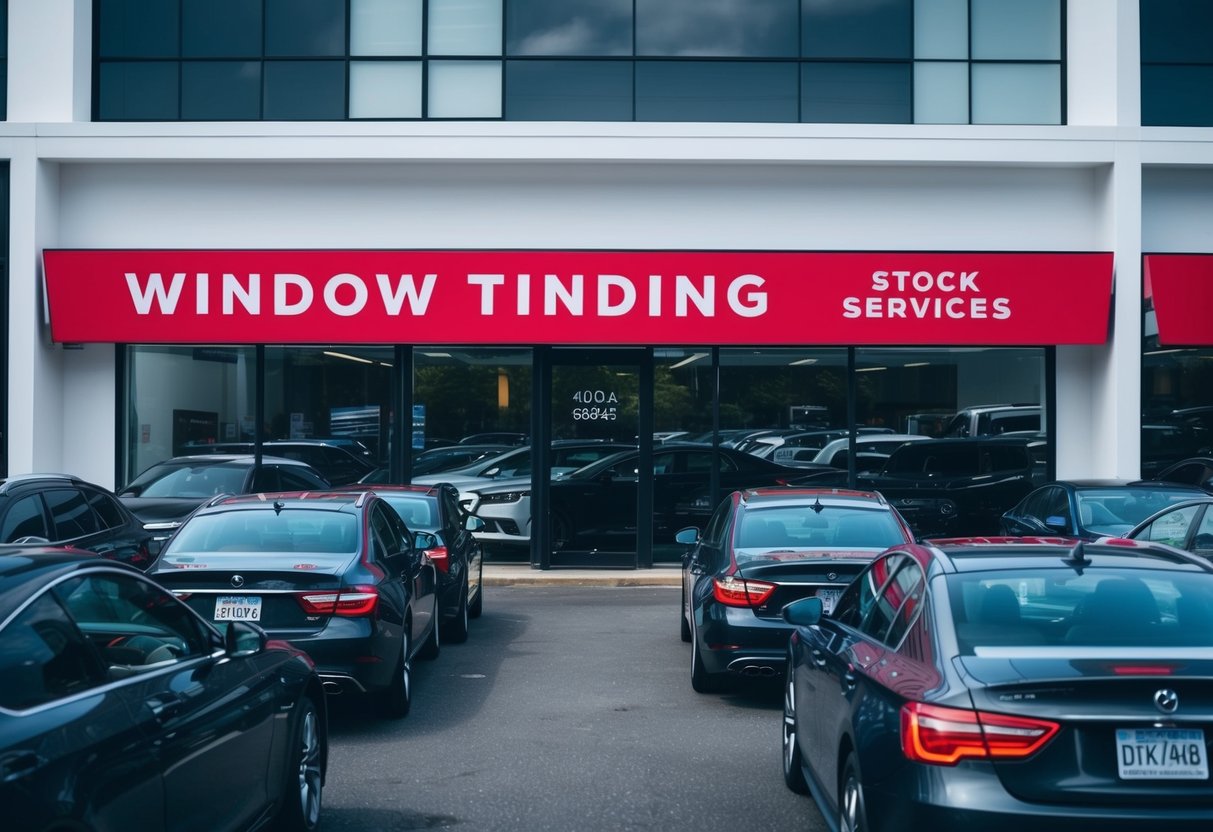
[(351, 653), (734, 640)]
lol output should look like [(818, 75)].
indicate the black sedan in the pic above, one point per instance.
[(1007, 684), (456, 555), (1091, 509), (1187, 525), (338, 575), (120, 708), (763, 549)]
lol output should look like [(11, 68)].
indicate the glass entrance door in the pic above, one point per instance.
[(595, 482)]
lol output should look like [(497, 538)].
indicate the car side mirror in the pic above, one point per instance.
[(688, 536), (424, 540), (804, 613), (242, 638), (473, 523), (1057, 523)]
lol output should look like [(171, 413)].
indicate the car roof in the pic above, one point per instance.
[(22, 479), (995, 553), (421, 489), (220, 459)]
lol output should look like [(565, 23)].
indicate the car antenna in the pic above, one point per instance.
[(279, 506), (1078, 557), (817, 506)]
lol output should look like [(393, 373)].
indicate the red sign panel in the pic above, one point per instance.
[(577, 297), (1182, 289)]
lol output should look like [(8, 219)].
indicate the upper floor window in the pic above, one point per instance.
[(880, 61), (1176, 63)]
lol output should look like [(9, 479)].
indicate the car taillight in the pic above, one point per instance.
[(944, 736), (738, 592), (440, 557), (353, 601)]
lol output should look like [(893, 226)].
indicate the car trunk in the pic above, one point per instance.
[(1115, 744), (801, 574)]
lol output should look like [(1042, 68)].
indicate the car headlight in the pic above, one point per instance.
[(503, 497)]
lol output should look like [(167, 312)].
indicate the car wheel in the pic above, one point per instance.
[(682, 616), (301, 797), (562, 532), (793, 774), (852, 816), (398, 697), (476, 605), (433, 645), (456, 630), (701, 680)]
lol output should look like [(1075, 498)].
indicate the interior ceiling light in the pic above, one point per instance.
[(869, 369), (802, 362), (436, 354), (693, 357), (349, 357)]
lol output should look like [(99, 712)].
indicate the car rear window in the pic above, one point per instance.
[(1084, 608), (269, 531), (801, 527)]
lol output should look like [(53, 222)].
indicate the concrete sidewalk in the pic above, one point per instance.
[(521, 574)]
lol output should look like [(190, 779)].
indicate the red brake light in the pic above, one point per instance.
[(738, 592), (352, 602), (441, 558), (944, 736)]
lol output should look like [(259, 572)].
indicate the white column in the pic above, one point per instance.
[(49, 60)]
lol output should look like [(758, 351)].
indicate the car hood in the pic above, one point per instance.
[(496, 486), (161, 509)]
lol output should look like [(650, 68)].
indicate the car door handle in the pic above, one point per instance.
[(165, 706), (18, 763), (819, 658)]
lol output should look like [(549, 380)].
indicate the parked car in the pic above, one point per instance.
[(994, 419), (122, 709), (338, 575), (762, 549), (871, 450), (1197, 470), (512, 438), (1091, 508), (1187, 525), (1008, 684), (566, 455), (456, 555), (165, 494), (336, 461), (952, 487), (67, 511)]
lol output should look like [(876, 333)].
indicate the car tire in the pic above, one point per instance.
[(701, 680), (303, 789), (793, 774), (433, 643), (562, 531), (685, 628), (455, 631), (852, 814), (397, 698), (476, 605)]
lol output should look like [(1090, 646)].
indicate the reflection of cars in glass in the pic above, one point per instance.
[(456, 554), (165, 494), (1091, 508), (566, 455), (1004, 685), (1196, 471), (336, 461), (994, 419), (337, 575), (1187, 525), (122, 709), (872, 450), (510, 438), (67, 511), (761, 550)]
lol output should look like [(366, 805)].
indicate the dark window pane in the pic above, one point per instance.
[(138, 92), (24, 519), (568, 27), (568, 90), (304, 27), (715, 91), (856, 93), (745, 28), (1176, 96), (304, 90), (107, 509), (1176, 31), (43, 657), (221, 90), (137, 29), (221, 29), (70, 513), (871, 29)]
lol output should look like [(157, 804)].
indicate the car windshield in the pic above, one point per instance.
[(419, 513), (1115, 511), (1035, 607), (308, 531), (183, 480), (798, 527)]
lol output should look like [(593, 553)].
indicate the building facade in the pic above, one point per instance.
[(578, 170)]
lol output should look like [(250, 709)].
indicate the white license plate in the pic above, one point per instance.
[(829, 597), (1161, 754), (238, 608)]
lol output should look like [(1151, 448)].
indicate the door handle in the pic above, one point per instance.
[(819, 658), (18, 763), (165, 706)]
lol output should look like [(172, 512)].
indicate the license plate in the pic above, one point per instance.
[(1161, 754), (829, 597), (238, 608)]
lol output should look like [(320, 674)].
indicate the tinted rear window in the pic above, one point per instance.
[(800, 527), (291, 530), (1100, 607), (193, 481)]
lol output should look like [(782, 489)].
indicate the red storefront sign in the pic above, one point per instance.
[(577, 297), (1182, 289)]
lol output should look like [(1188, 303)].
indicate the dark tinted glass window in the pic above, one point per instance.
[(136, 620), (293, 480), (70, 513), (297, 90), (568, 27), (715, 91), (1177, 96), (221, 90), (724, 28), (43, 657), (106, 508), (220, 28), (568, 90), (24, 519), (299, 28), (871, 29), (909, 610), (138, 28), (1176, 31), (874, 93), (388, 532), (138, 92)]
